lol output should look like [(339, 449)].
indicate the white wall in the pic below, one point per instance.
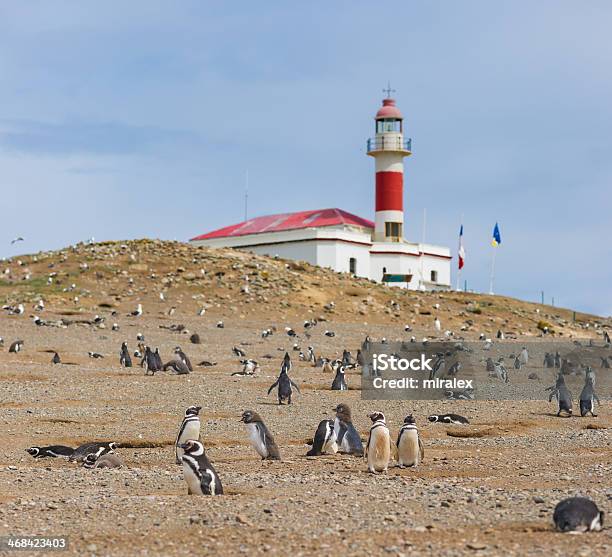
[(337, 255), (300, 251)]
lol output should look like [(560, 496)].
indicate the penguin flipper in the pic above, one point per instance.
[(272, 386), (296, 387)]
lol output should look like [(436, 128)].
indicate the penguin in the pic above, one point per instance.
[(107, 460), (261, 438), (330, 334), (17, 346), (517, 363), (238, 352), (178, 366), (137, 312), (378, 447), (199, 473), (360, 358), (324, 440), (455, 419), (577, 515), (549, 360), (189, 429), (346, 358), (410, 449), (524, 356), (220, 325), (124, 356), (500, 371), (437, 325), (438, 366), (588, 398), (606, 337), (339, 382), (284, 384), (101, 448), (563, 394), (310, 355), (95, 355), (249, 368), (56, 359), (52, 451), (290, 332), (347, 438)]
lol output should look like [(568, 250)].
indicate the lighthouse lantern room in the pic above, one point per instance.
[(348, 243)]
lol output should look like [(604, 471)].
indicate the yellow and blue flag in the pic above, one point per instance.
[(496, 236)]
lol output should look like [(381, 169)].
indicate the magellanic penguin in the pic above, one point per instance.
[(455, 419), (190, 429), (563, 394), (378, 447), (284, 383), (339, 382), (588, 398), (52, 451), (16, 346), (410, 451), (82, 451), (56, 359), (577, 515), (324, 441), (107, 460), (347, 438), (183, 357), (200, 475), (124, 355), (260, 437)]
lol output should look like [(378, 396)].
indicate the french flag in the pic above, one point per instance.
[(461, 251)]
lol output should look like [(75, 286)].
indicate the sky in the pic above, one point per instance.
[(140, 119)]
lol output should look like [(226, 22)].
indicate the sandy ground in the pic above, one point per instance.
[(488, 495)]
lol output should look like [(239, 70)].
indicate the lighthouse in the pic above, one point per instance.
[(388, 147), (345, 242)]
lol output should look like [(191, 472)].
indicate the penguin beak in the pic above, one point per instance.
[(183, 446)]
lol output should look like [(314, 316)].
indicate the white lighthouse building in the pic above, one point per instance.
[(347, 243)]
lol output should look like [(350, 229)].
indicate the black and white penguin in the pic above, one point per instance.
[(238, 352), (95, 355), (137, 312), (189, 429), (563, 395), (330, 334), (82, 451), (324, 441), (588, 398), (578, 514), (360, 358), (339, 382), (260, 437), (176, 365), (199, 473), (183, 357), (378, 447), (106, 460), (455, 419), (347, 437), (410, 451), (285, 385), (52, 451), (438, 367), (124, 356), (17, 346), (606, 337), (56, 359)]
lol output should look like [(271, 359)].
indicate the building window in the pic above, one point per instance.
[(434, 276), (353, 266), (393, 229)]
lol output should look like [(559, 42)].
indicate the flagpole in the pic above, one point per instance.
[(492, 270), (459, 269)]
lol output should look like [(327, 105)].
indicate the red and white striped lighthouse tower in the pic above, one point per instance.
[(389, 148)]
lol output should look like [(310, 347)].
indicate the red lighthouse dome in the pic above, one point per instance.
[(388, 110)]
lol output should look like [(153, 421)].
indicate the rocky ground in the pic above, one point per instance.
[(489, 491)]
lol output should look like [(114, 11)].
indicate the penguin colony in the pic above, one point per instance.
[(331, 436)]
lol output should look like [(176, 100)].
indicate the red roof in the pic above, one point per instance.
[(388, 110), (289, 221)]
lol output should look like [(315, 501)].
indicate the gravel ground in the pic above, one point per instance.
[(488, 495)]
